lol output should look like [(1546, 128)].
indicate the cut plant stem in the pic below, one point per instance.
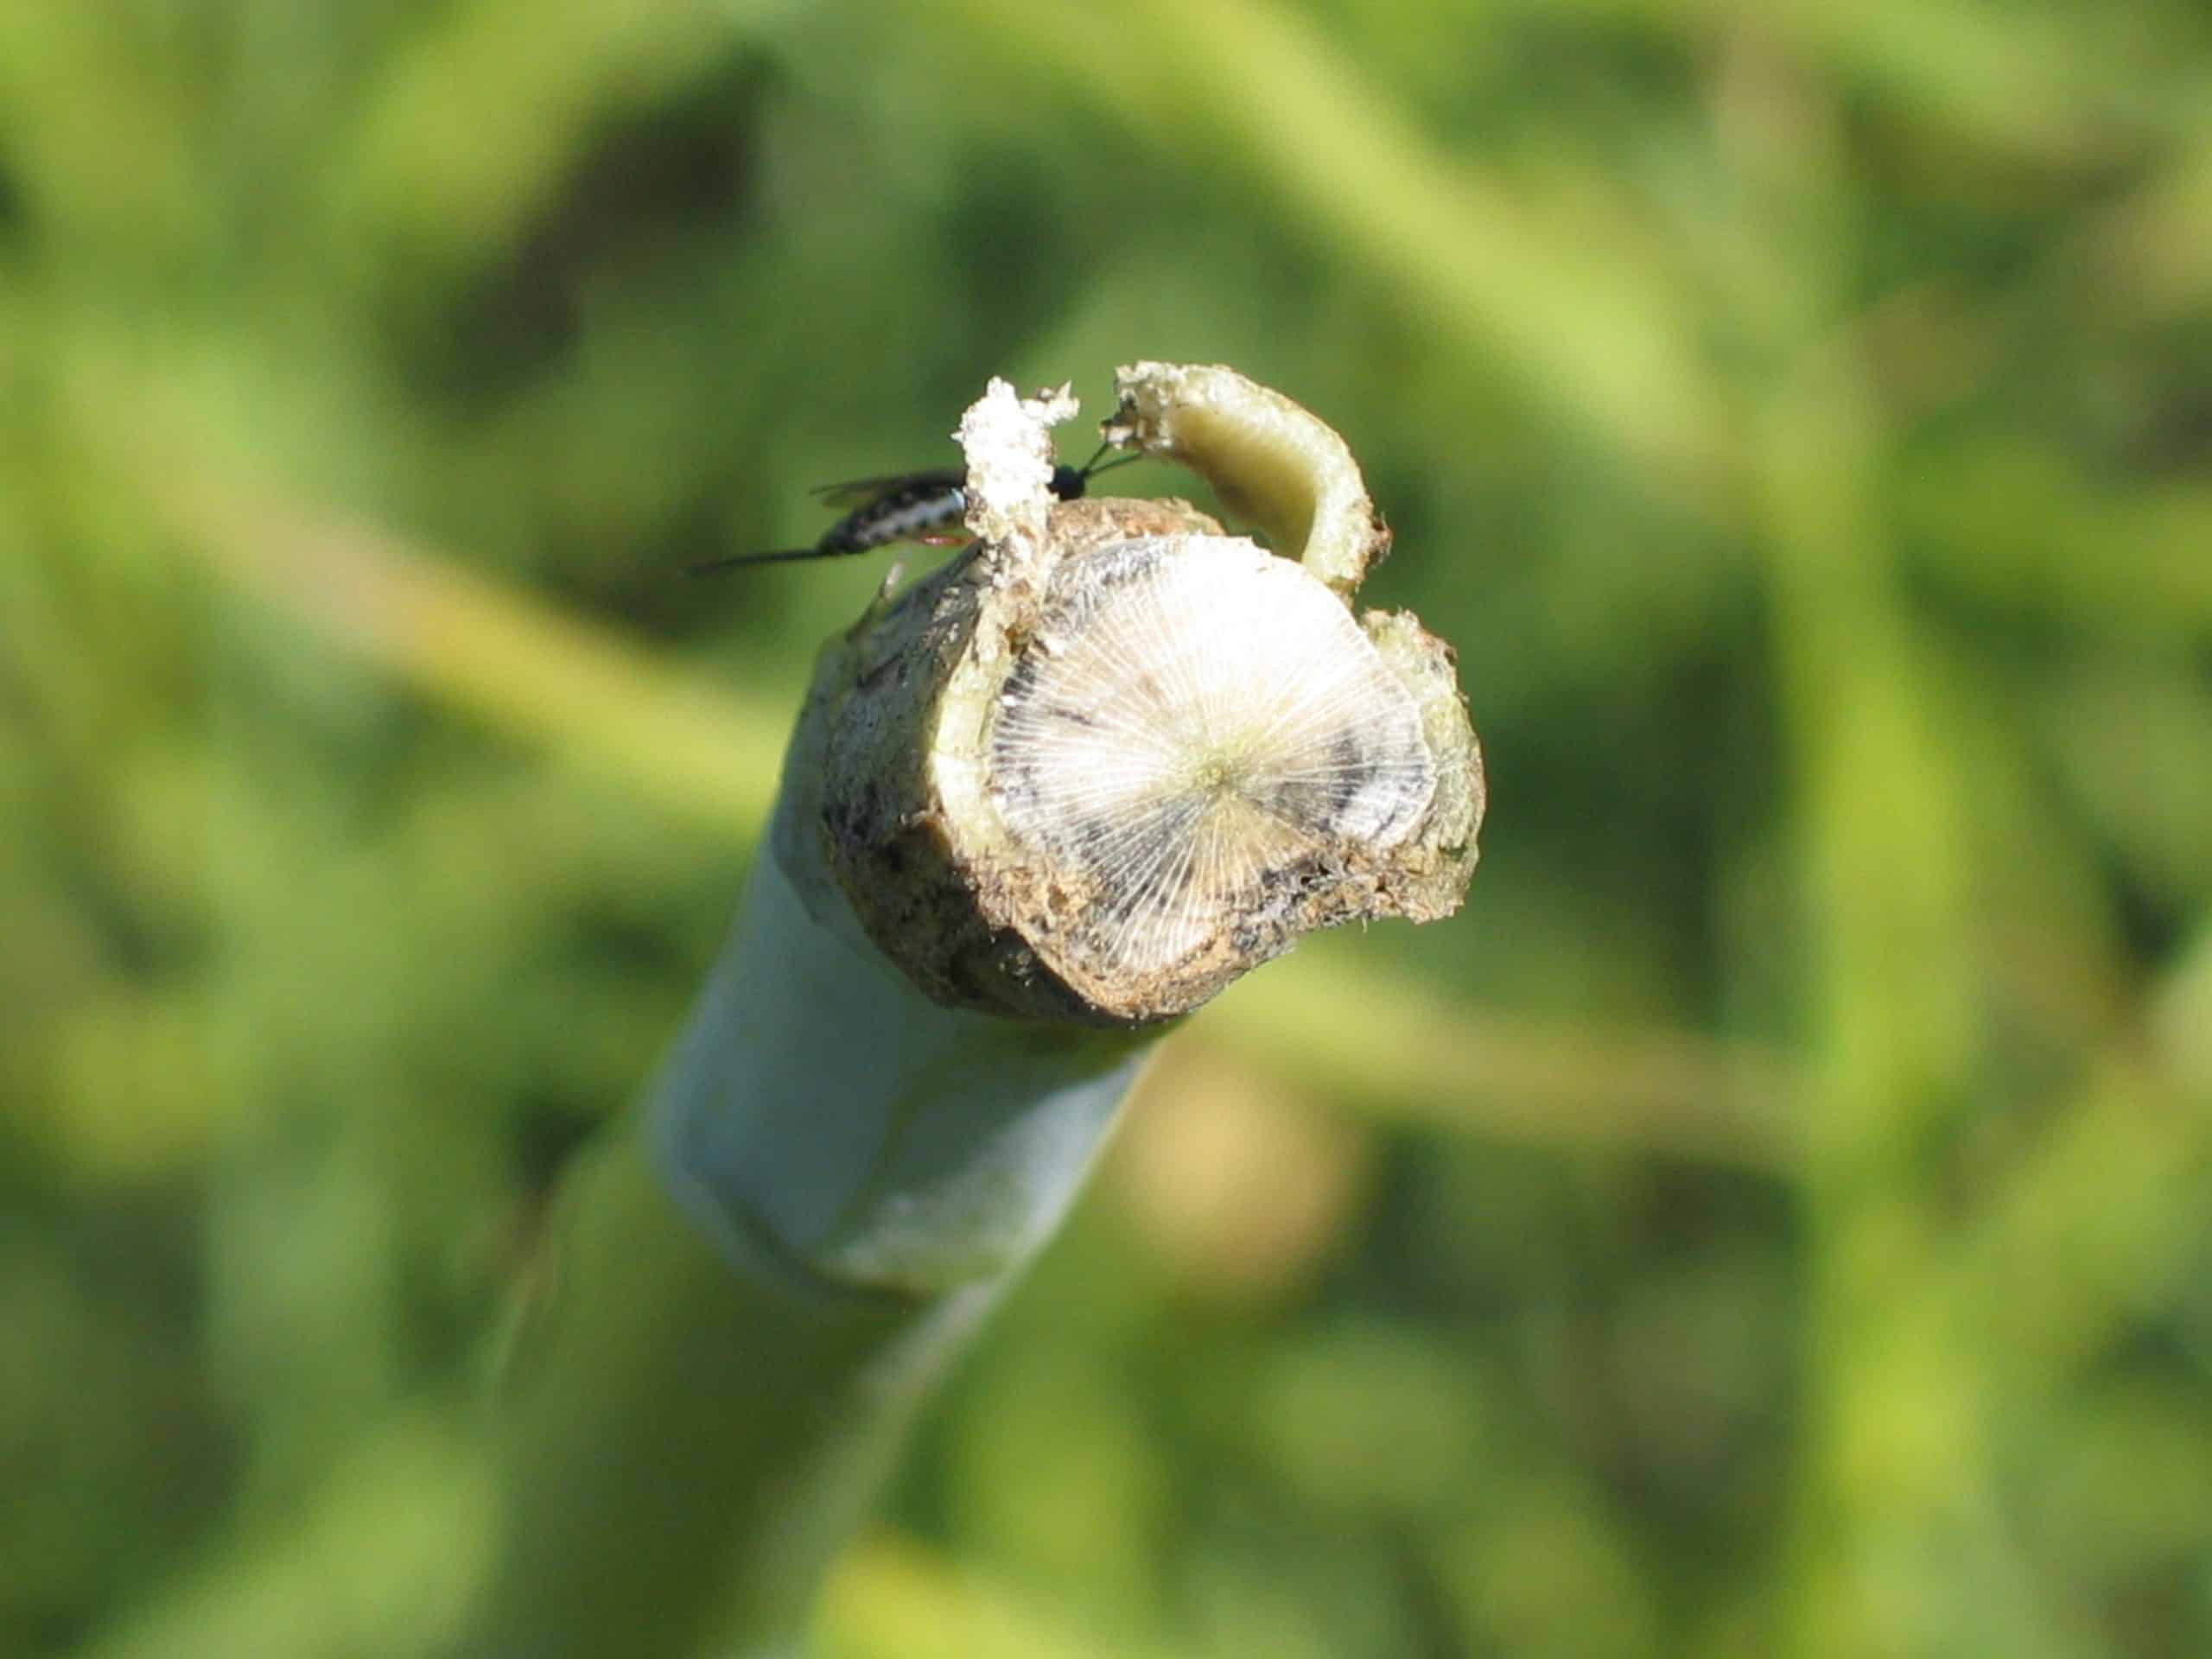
[(1112, 757), (1039, 804)]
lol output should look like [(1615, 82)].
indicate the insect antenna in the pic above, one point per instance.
[(1091, 469)]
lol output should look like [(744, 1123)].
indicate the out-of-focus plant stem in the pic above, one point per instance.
[(660, 1388)]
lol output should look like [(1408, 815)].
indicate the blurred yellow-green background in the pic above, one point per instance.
[(1775, 1218)]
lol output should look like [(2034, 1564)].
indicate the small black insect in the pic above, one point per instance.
[(924, 508)]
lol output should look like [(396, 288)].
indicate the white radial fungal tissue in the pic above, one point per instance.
[(1195, 726)]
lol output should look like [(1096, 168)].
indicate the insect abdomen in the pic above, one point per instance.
[(898, 517)]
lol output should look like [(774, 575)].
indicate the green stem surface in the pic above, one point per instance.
[(752, 1287)]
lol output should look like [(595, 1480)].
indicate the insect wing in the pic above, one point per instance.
[(866, 492)]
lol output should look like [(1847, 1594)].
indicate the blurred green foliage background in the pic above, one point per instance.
[(1775, 1218)]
